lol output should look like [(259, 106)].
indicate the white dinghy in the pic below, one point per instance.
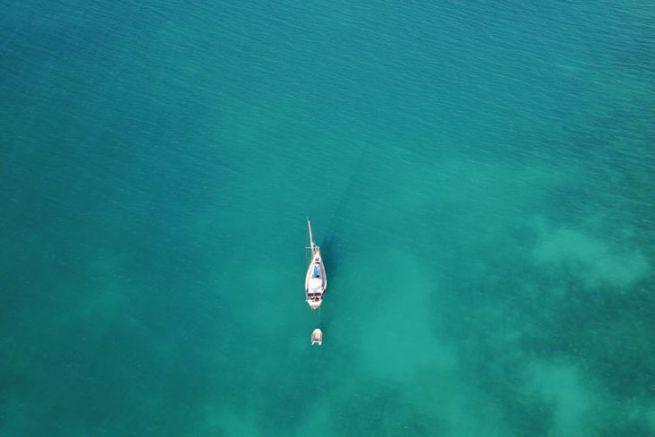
[(317, 337)]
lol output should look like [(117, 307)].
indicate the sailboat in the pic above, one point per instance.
[(315, 280)]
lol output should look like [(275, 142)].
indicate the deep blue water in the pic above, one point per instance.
[(479, 176)]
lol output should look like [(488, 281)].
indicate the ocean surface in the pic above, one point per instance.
[(480, 177)]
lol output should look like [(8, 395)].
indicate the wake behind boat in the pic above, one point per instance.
[(315, 280)]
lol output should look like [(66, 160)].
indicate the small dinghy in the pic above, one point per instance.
[(317, 337), (315, 280)]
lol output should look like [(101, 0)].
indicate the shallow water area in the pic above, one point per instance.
[(479, 178)]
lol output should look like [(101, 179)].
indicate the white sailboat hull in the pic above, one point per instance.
[(315, 280)]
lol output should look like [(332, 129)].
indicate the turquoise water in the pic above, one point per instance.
[(479, 176)]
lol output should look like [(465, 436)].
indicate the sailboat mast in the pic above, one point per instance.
[(311, 238)]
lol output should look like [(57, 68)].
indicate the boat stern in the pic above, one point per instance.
[(314, 304)]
